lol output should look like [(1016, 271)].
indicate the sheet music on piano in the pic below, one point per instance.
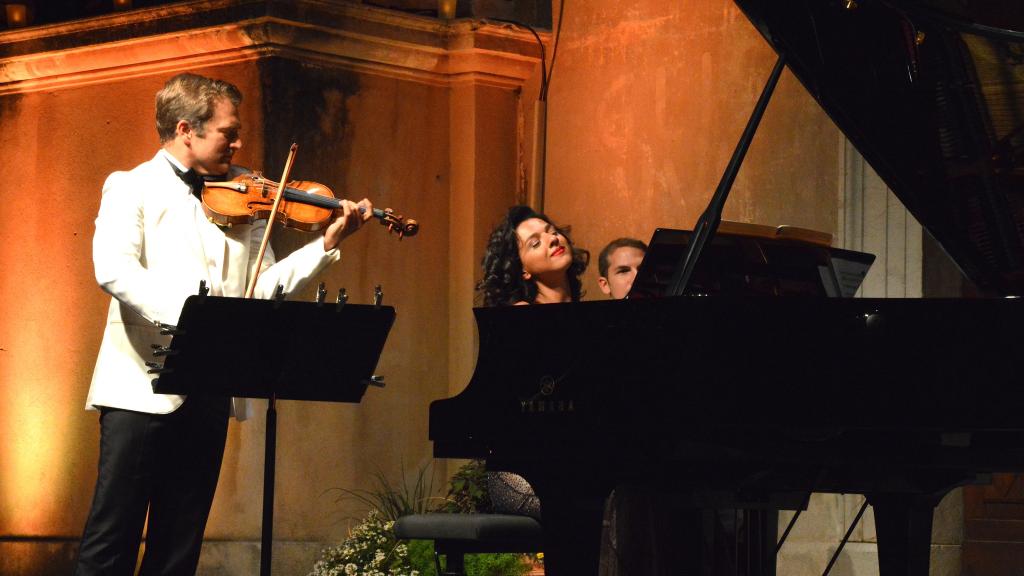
[(847, 273), (754, 260)]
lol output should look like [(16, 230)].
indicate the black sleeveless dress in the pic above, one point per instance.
[(511, 494)]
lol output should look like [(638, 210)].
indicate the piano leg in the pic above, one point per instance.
[(676, 541), (733, 542), (755, 545), (904, 526), (572, 530)]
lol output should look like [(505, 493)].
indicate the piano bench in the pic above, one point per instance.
[(456, 535)]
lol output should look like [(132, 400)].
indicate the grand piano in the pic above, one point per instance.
[(731, 398)]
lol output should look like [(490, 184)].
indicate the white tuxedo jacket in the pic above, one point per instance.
[(152, 246)]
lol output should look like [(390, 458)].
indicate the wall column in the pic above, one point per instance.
[(873, 220)]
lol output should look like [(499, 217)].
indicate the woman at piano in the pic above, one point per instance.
[(529, 260)]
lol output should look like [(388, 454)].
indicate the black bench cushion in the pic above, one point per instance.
[(483, 532)]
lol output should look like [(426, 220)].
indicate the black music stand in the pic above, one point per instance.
[(273, 349)]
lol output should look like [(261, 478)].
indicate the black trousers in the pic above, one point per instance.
[(163, 464)]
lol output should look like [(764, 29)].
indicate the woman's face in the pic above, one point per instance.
[(542, 250)]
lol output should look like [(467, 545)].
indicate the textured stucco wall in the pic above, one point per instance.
[(647, 103)]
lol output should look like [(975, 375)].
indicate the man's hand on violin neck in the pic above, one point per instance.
[(347, 219)]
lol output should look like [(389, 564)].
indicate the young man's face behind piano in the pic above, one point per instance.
[(622, 267)]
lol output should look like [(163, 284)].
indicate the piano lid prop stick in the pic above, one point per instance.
[(708, 222)]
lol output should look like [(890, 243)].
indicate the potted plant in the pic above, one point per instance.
[(371, 548)]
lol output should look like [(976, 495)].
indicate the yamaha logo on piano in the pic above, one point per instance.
[(542, 403), (556, 406)]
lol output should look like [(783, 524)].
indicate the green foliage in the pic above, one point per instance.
[(421, 557), (467, 491), (496, 565), (395, 502), (372, 550)]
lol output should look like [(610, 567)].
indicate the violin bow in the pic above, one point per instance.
[(270, 222)]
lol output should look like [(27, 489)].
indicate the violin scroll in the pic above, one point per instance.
[(397, 223)]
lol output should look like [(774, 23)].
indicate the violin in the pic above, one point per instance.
[(307, 206)]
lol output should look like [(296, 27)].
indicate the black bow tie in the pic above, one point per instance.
[(190, 177)]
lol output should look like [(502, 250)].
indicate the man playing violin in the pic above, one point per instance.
[(161, 454)]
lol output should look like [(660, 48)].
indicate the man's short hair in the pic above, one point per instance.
[(602, 259), (190, 97)]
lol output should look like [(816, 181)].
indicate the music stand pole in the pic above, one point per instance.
[(269, 458)]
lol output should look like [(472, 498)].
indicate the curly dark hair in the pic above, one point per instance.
[(503, 283)]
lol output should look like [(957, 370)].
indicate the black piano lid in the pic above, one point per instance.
[(932, 95)]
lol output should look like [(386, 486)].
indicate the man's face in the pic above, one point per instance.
[(622, 265), (212, 152)]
